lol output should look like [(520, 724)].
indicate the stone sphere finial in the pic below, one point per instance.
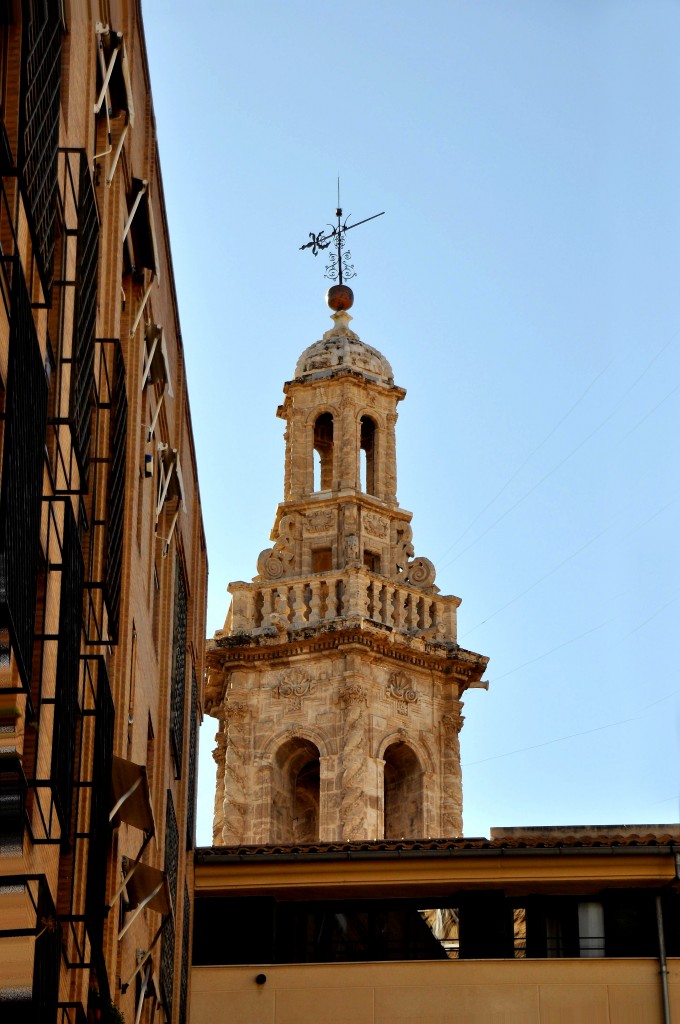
[(340, 297)]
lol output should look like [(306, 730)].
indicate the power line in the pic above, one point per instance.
[(536, 583), (573, 735), (653, 616), (527, 459), (552, 650), (573, 452), (564, 561)]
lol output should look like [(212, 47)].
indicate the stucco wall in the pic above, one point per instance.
[(503, 992)]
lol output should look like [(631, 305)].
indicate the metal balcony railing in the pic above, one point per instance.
[(22, 477)]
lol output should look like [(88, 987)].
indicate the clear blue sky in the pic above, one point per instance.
[(524, 284)]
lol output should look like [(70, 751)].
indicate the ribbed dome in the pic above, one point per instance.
[(340, 348)]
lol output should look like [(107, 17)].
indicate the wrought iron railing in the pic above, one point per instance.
[(22, 477), (178, 682), (107, 496), (193, 750), (39, 126), (184, 970), (85, 314), (116, 491), (97, 692), (167, 965), (71, 417), (68, 665)]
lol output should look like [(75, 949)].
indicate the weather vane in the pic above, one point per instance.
[(339, 267)]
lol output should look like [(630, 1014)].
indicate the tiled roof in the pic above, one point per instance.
[(510, 839)]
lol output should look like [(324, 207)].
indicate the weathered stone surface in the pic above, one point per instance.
[(338, 676)]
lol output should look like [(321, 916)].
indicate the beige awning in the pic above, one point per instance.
[(114, 67), (131, 797), (156, 364), (146, 888), (149, 887), (139, 232), (171, 484)]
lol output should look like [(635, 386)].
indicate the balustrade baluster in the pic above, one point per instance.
[(315, 602), (408, 611), (332, 600), (374, 600), (395, 610)]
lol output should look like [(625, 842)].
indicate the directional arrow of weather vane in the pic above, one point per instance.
[(339, 267)]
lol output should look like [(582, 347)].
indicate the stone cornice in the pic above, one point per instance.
[(337, 376), (466, 667)]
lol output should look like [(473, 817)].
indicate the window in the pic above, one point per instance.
[(403, 793), (323, 447), (322, 560), (372, 561), (367, 455), (295, 793)]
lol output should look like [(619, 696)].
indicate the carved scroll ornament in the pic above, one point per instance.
[(273, 563), (419, 572)]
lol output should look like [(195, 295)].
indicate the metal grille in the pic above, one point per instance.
[(85, 317), (68, 666), (100, 830), (193, 742), (12, 806), (22, 471), (39, 129), (171, 865), (179, 646), (184, 975), (116, 492), (47, 959)]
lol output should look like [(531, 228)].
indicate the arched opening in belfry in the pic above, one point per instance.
[(367, 455), (323, 452), (403, 804), (295, 793)]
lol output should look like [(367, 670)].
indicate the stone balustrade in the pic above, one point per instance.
[(348, 594)]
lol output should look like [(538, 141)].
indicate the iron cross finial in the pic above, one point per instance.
[(339, 267)]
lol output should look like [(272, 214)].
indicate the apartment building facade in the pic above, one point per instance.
[(103, 566)]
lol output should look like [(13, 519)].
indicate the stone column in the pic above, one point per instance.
[(262, 811), (236, 799), (389, 478), (348, 444), (451, 776), (218, 814), (330, 829), (353, 807), (300, 460)]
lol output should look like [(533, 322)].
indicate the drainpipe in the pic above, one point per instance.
[(662, 962)]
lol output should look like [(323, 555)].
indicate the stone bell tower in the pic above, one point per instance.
[(337, 679)]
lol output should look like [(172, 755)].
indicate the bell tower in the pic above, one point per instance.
[(337, 679)]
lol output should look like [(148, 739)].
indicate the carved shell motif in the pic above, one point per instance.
[(401, 688)]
